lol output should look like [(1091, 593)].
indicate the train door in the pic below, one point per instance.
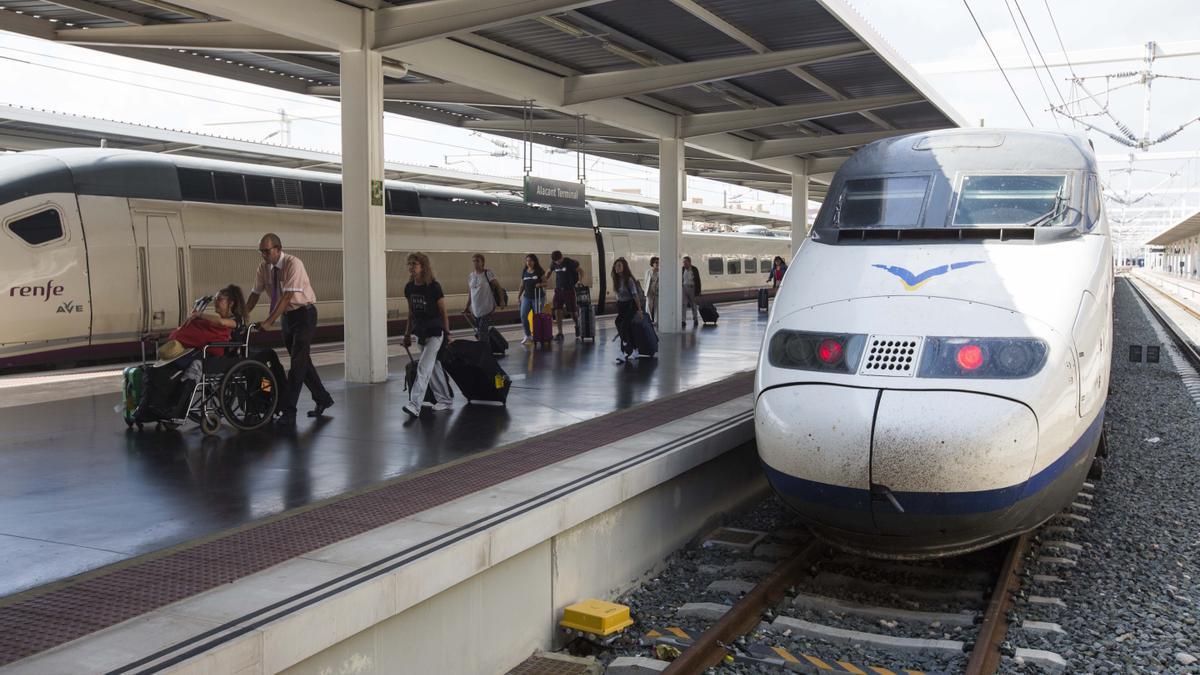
[(46, 290), (1090, 334), (620, 246), (161, 269)]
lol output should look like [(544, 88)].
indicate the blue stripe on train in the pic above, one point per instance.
[(938, 503)]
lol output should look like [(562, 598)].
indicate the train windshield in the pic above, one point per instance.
[(882, 202), (1008, 200)]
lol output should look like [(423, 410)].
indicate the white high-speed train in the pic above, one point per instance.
[(936, 363), (100, 246)]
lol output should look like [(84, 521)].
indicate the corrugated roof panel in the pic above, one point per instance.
[(693, 100), (781, 87), (663, 25), (782, 25), (913, 116), (847, 124), (582, 54), (860, 76)]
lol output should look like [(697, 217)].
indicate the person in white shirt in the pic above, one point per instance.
[(481, 297)]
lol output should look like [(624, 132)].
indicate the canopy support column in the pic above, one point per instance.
[(799, 211), (670, 228)]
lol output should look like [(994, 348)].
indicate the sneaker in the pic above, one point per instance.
[(525, 340), (558, 338), (634, 355), (412, 409), (442, 405), (621, 358)]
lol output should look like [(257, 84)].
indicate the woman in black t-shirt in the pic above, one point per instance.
[(427, 319), (532, 276)]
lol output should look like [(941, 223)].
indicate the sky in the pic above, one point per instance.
[(936, 37)]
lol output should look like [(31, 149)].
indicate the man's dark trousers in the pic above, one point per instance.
[(299, 326)]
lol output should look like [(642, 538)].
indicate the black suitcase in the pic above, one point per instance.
[(645, 339), (709, 313), (764, 296), (497, 341), (475, 371), (585, 326)]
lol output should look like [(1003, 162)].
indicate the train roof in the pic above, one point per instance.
[(949, 151), (147, 175)]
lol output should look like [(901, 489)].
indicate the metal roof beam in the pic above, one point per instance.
[(800, 146), (816, 165), (105, 12), (426, 93), (172, 7), (422, 21), (26, 25), (621, 83), (222, 35), (566, 126), (333, 25), (738, 120)]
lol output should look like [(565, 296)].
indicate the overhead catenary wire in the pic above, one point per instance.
[(1041, 56), (997, 60), (1037, 74)]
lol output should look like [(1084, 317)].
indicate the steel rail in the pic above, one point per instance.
[(1181, 341), (710, 648), (985, 656)]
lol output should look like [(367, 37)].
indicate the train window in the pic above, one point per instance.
[(259, 191), (749, 266), (882, 202), (196, 185), (628, 220), (1093, 201), (403, 203), (734, 266), (333, 196), (286, 191), (38, 228), (716, 266), (648, 221), (765, 265), (606, 218), (310, 192), (231, 189), (1008, 199)]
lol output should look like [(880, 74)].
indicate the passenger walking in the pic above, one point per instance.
[(778, 269), (566, 275), (650, 284), (293, 303), (427, 319), (691, 293), (532, 276), (628, 308), (481, 298)]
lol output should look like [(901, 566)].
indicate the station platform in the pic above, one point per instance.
[(1178, 297), (100, 525)]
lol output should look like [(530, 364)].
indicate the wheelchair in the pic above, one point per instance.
[(233, 388)]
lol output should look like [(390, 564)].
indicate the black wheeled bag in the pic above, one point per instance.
[(709, 313), (473, 368), (764, 297), (497, 342), (585, 326)]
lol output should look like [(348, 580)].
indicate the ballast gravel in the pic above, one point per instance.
[(1133, 596)]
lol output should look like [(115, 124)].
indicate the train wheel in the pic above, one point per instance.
[(248, 395), (210, 423)]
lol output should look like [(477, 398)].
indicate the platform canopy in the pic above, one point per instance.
[(1185, 229), (758, 90)]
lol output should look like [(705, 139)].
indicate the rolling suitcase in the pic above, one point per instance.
[(645, 340), (585, 324), (132, 382), (764, 296), (708, 313), (497, 341), (542, 325), (473, 368)]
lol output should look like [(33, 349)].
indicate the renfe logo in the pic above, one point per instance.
[(35, 291)]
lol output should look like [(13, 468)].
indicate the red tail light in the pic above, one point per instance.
[(969, 357), (829, 351)]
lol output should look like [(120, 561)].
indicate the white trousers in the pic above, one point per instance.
[(430, 374)]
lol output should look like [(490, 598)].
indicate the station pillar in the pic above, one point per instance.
[(670, 229), (364, 260), (799, 211)]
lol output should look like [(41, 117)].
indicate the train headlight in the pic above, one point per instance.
[(828, 352), (991, 358)]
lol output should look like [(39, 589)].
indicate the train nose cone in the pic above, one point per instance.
[(953, 461)]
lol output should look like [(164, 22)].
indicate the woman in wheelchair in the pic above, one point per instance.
[(206, 371)]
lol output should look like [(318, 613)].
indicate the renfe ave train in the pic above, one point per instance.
[(936, 364), (100, 246)]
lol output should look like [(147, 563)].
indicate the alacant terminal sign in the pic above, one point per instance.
[(553, 192)]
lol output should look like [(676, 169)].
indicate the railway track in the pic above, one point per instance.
[(818, 610)]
